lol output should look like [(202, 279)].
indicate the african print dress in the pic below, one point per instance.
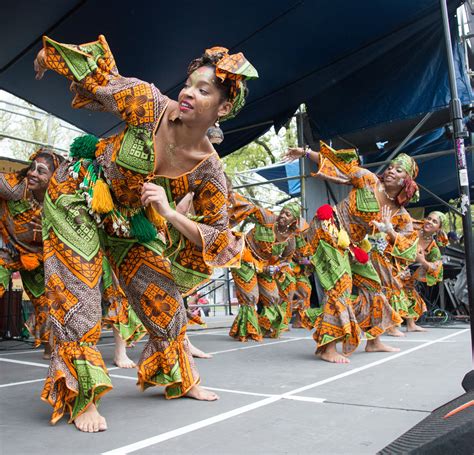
[(354, 299), (93, 209), (21, 249), (254, 283), (431, 275)]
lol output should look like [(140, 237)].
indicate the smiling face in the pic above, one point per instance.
[(432, 224), (394, 176), (201, 100), (285, 219), (39, 174)]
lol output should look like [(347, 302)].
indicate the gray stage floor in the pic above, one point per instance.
[(276, 397)]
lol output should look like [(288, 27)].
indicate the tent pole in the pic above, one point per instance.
[(301, 143), (459, 134)]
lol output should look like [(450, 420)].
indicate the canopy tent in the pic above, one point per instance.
[(358, 66)]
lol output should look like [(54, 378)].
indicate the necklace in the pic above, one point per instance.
[(384, 191), (426, 237)]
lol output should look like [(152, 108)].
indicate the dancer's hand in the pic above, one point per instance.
[(386, 215), (39, 65), (185, 205), (293, 153), (156, 196)]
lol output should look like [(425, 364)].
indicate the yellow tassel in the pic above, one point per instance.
[(29, 261), (155, 217), (102, 201), (343, 240), (365, 245)]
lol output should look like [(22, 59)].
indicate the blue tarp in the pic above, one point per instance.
[(356, 64)]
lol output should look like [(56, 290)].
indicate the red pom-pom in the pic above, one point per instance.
[(325, 212), (360, 255)]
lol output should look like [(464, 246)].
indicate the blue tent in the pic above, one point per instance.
[(357, 65)]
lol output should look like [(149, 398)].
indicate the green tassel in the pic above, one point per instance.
[(142, 228), (83, 147)]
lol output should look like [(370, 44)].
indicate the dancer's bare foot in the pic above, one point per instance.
[(121, 358), (376, 345), (330, 354), (195, 352), (200, 393), (47, 352), (412, 327), (394, 332), (90, 421)]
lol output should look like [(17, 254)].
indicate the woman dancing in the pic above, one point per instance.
[(97, 206)]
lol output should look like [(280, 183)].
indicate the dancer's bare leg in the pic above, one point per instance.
[(195, 352), (47, 351), (90, 421), (394, 332), (376, 345), (121, 358), (330, 354), (412, 327), (200, 393)]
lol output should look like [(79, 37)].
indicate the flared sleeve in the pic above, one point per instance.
[(405, 246), (241, 208), (12, 188), (97, 85), (434, 273)]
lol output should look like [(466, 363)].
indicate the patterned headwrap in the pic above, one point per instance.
[(441, 237), (409, 192), (236, 68), (57, 159), (294, 208), (442, 218)]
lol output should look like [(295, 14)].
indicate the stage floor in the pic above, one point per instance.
[(276, 397)]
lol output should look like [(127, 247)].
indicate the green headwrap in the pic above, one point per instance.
[(293, 208), (407, 163), (443, 219)]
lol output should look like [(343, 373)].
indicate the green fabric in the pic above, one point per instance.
[(33, 280), (162, 378), (278, 248), (401, 303), (312, 314), (93, 380), (118, 247), (409, 254), (276, 315), (246, 272), (288, 280), (136, 150), (134, 330), (264, 233), (246, 315), (366, 200), (17, 207), (5, 275), (107, 279), (366, 270), (80, 65), (330, 264), (71, 222)]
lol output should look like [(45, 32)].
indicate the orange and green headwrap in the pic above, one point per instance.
[(294, 208), (234, 67), (409, 192)]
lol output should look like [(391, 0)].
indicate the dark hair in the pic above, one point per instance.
[(224, 86), (53, 163)]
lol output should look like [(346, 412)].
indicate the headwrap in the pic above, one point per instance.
[(236, 68), (57, 159), (293, 208), (409, 192), (442, 218)]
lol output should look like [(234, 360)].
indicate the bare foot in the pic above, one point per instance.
[(121, 358), (47, 352), (377, 346), (412, 327), (195, 352), (394, 332), (200, 393), (330, 354), (90, 421)]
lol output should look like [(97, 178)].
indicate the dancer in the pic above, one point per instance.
[(431, 237), (157, 254), (270, 244), (337, 235), (21, 245)]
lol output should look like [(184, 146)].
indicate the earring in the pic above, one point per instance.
[(215, 134), (401, 182)]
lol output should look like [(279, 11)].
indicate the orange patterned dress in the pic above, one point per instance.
[(154, 264), (21, 249)]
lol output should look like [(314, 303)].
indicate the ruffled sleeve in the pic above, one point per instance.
[(405, 246), (12, 188), (241, 208), (342, 166), (98, 85), (434, 273)]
